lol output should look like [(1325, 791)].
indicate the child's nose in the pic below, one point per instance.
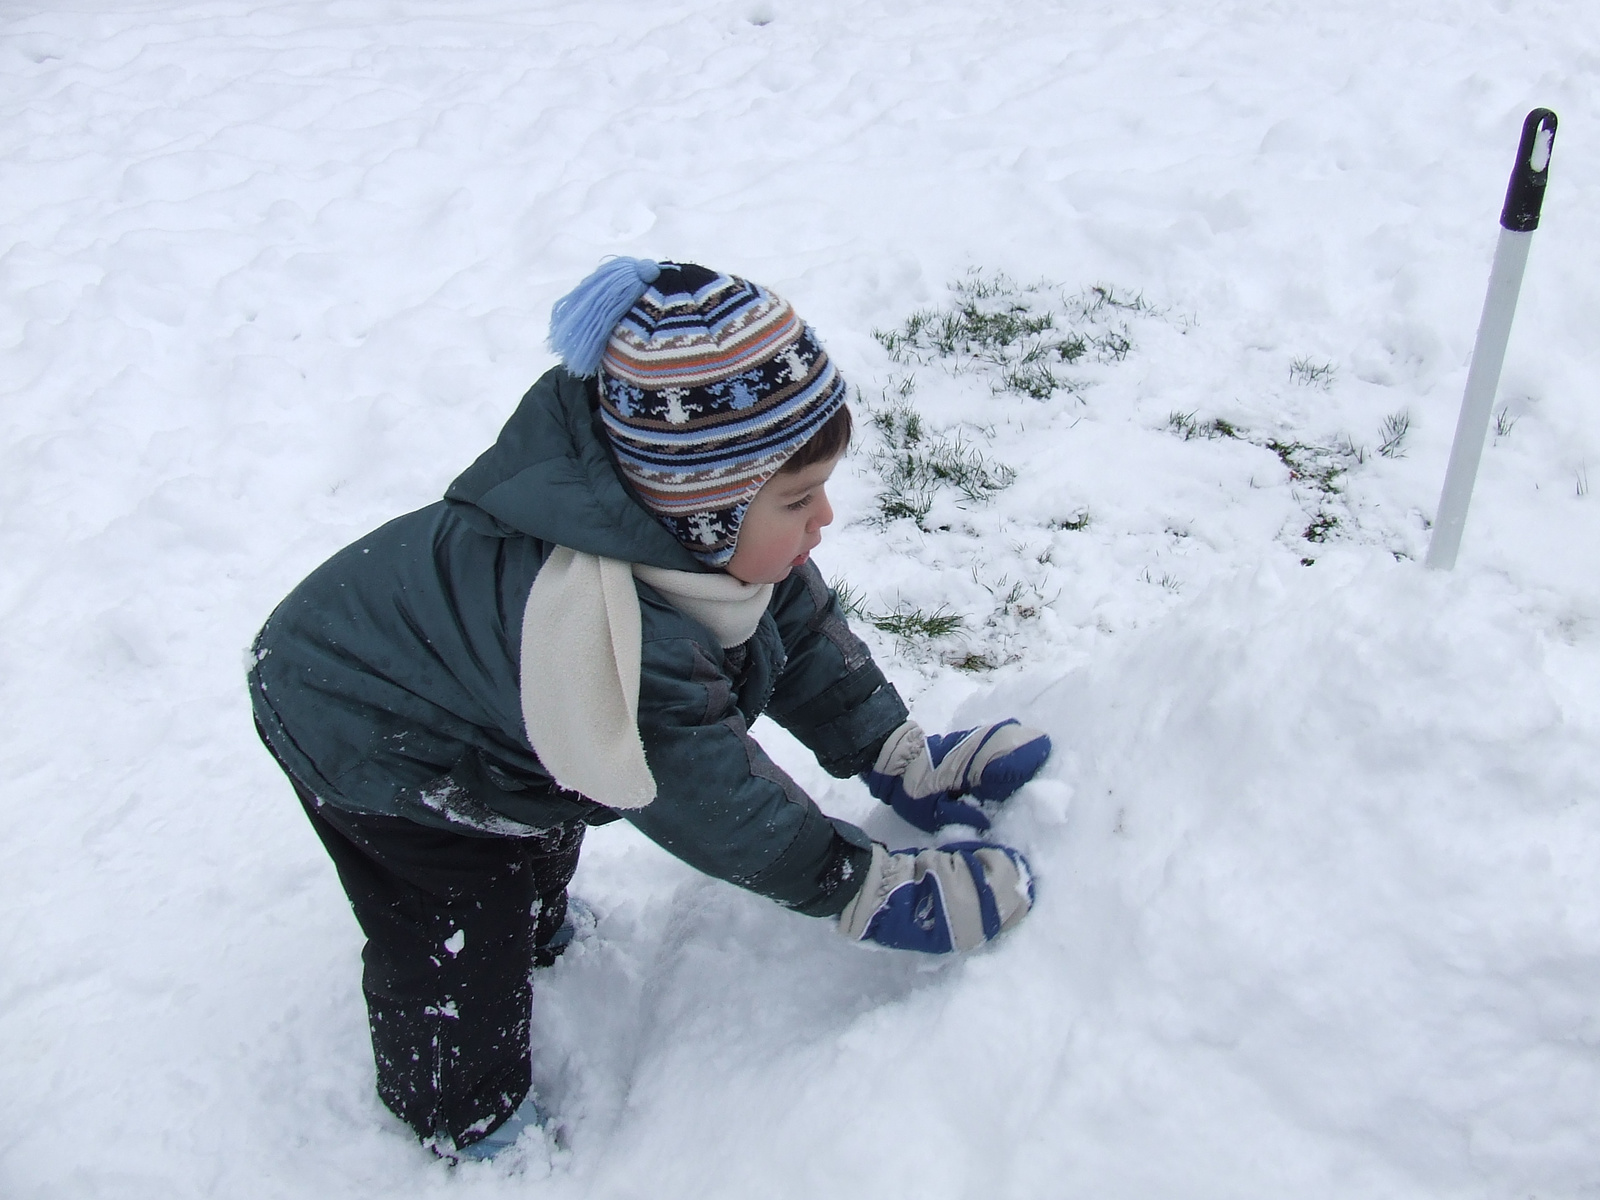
[(822, 513)]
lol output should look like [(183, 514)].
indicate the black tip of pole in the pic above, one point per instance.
[(1525, 192)]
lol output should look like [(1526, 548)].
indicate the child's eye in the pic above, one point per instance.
[(803, 502)]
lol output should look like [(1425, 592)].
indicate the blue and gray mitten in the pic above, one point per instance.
[(953, 898), (923, 778)]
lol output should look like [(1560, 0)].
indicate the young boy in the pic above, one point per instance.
[(583, 629)]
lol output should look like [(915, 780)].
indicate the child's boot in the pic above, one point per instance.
[(527, 1115), (578, 926)]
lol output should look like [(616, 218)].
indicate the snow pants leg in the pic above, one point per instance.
[(454, 925)]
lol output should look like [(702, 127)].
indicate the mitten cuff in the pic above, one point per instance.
[(904, 757), (884, 873)]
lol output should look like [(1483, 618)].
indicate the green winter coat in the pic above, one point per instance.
[(387, 682)]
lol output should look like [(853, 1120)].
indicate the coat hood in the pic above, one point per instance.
[(551, 475)]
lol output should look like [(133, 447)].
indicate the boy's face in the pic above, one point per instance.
[(783, 524)]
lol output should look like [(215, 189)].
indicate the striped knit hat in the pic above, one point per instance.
[(708, 384)]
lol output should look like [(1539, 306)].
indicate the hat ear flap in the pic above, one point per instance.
[(581, 321)]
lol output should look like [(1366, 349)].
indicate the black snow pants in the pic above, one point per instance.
[(454, 926)]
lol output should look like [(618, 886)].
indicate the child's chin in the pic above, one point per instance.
[(775, 574)]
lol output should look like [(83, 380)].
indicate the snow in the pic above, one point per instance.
[(1317, 908)]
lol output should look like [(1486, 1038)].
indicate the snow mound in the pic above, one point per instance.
[(1317, 915)]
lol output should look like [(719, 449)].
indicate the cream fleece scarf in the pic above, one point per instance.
[(581, 636)]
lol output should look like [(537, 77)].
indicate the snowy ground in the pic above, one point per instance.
[(1319, 913)]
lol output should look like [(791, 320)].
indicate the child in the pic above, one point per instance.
[(583, 629)]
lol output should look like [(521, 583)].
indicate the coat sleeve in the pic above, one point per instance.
[(830, 694), (722, 805)]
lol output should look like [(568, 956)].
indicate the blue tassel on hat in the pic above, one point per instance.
[(581, 321)]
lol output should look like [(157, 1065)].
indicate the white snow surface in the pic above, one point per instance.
[(1318, 909)]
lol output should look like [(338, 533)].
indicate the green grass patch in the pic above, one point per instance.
[(1075, 523), (1393, 434), (907, 621), (1307, 372), (916, 624), (916, 463), (1188, 428), (973, 662), (1026, 336)]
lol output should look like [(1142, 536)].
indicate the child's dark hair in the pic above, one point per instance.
[(832, 440)]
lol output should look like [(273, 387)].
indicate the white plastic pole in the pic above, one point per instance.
[(1518, 220), (1483, 378)]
